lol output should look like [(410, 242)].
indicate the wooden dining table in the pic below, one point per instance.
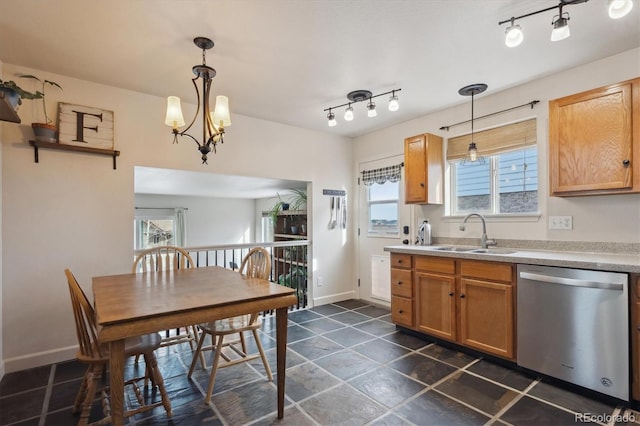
[(131, 305)]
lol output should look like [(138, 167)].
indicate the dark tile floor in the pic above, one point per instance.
[(346, 364)]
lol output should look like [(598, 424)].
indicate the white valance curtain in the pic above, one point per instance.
[(382, 175)]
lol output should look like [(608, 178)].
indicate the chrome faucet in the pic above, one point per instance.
[(485, 242)]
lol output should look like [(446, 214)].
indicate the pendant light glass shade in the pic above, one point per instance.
[(174, 116), (513, 36), (619, 8)]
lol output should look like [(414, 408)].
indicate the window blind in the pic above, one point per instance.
[(494, 141)]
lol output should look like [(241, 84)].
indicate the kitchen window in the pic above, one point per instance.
[(382, 202), (506, 183)]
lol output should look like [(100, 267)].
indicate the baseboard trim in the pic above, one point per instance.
[(1, 369), (324, 300), (39, 359)]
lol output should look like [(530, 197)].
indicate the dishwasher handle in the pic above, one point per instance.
[(571, 281)]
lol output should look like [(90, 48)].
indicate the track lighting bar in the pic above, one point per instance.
[(560, 22), (361, 96)]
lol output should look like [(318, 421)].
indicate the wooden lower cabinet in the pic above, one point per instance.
[(402, 290), (435, 304), (465, 301), (486, 316)]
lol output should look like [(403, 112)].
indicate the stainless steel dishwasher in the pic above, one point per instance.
[(573, 324)]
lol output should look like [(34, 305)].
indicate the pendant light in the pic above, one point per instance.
[(472, 152)]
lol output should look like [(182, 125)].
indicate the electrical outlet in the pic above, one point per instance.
[(319, 282), (561, 222)]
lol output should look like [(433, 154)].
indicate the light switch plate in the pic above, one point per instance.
[(561, 222)]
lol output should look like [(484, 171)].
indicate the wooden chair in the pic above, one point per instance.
[(92, 352), (257, 263), (166, 258)]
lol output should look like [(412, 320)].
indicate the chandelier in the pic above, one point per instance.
[(213, 124)]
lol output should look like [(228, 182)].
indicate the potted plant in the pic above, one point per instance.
[(47, 131), (15, 93), (279, 205)]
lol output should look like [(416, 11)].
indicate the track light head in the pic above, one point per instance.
[(348, 113), (619, 8), (560, 27), (371, 109), (514, 35), (331, 117)]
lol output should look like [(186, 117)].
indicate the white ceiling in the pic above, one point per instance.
[(288, 60), (150, 180)]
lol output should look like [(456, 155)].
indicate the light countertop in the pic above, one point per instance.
[(616, 262)]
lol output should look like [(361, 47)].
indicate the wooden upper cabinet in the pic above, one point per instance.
[(594, 141), (423, 169)]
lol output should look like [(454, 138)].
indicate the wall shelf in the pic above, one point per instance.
[(7, 113), (63, 147)]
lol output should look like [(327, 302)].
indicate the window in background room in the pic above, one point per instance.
[(506, 183), (158, 227), (383, 208)]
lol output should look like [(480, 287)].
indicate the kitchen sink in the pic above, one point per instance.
[(492, 251), (453, 248)]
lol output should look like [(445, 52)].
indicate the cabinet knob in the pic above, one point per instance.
[(399, 260), (462, 296), (626, 163), (401, 311), (451, 293), (422, 184), (399, 282)]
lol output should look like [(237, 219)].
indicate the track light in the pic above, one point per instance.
[(332, 119), (514, 35), (361, 96), (393, 101), (560, 27), (371, 109), (348, 113), (619, 8)]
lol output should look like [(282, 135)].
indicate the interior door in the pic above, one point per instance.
[(382, 218)]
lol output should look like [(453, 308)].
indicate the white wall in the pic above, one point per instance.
[(209, 221), (73, 210), (610, 218)]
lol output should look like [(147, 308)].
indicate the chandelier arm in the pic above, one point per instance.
[(195, 116)]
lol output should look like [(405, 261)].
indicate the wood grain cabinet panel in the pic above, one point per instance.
[(423, 169), (594, 141), (436, 304), (486, 316)]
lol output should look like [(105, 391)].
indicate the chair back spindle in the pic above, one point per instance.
[(163, 258)]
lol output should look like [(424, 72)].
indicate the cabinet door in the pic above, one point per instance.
[(435, 304), (486, 316), (415, 169), (590, 141)]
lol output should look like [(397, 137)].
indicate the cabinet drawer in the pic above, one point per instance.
[(487, 270), (401, 282), (401, 260), (402, 311), (442, 265)]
